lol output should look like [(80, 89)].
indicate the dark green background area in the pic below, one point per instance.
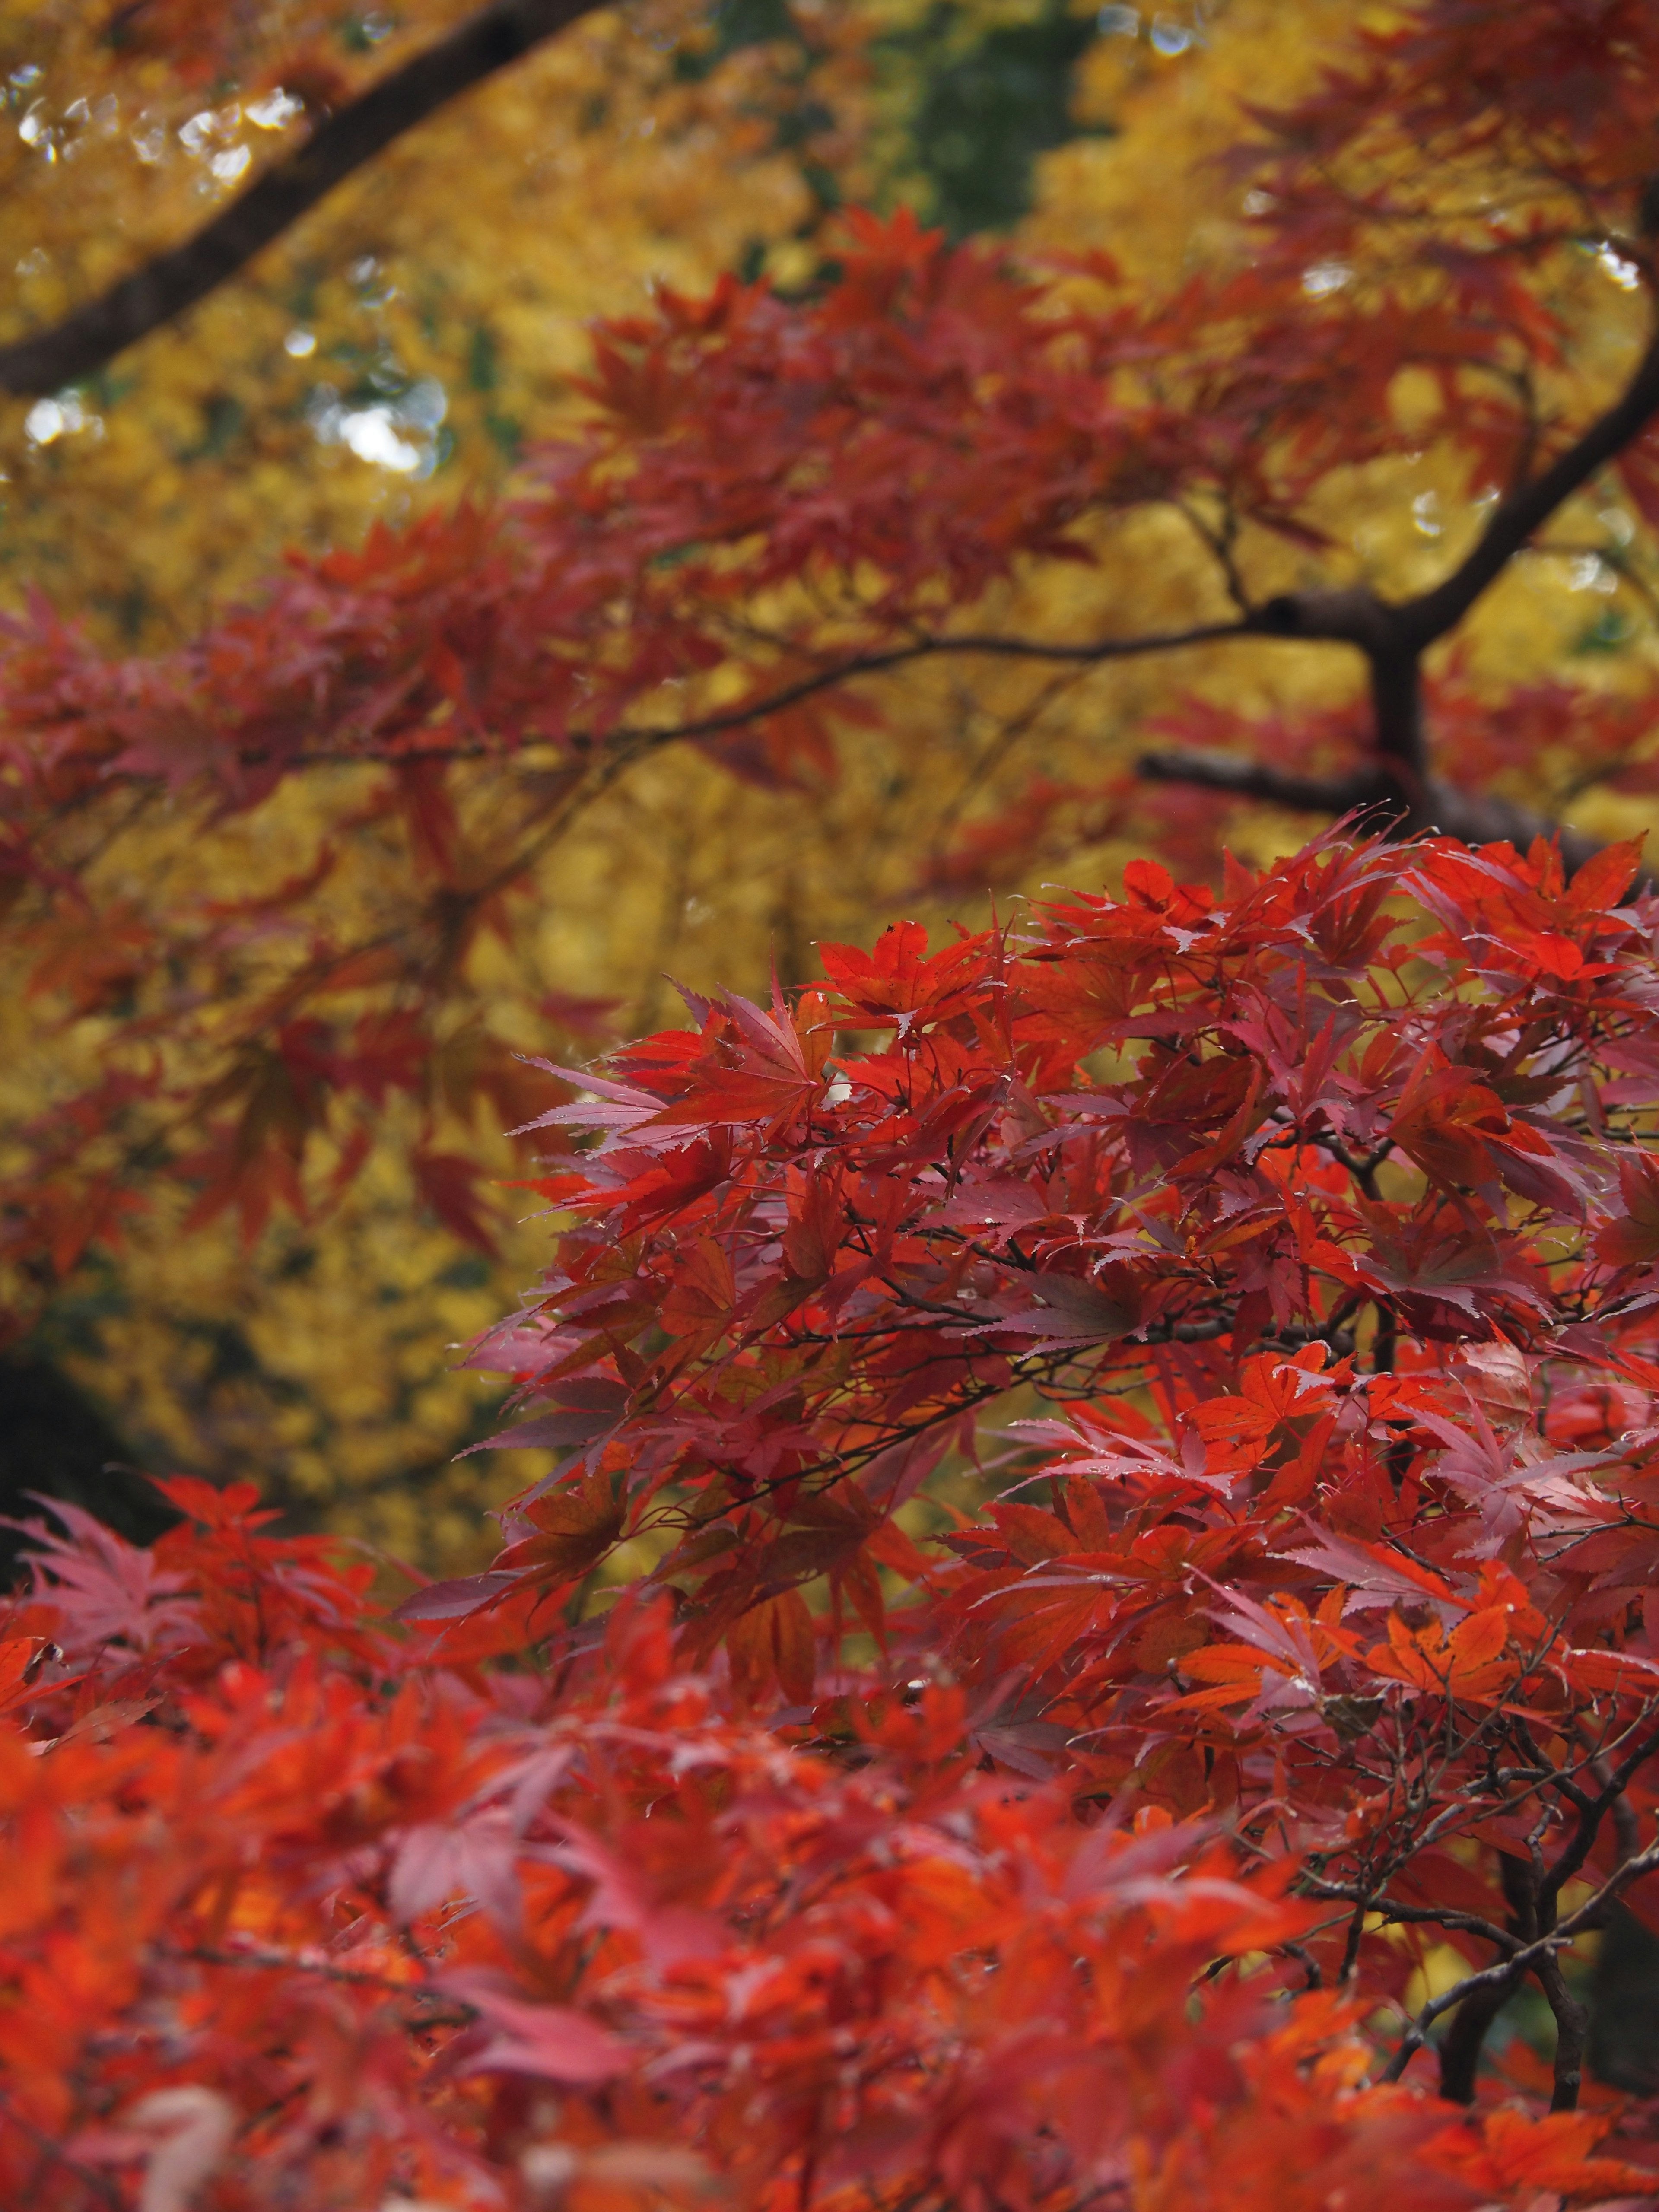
[(986, 107), (975, 106)]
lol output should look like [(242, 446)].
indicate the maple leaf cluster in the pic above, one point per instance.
[(756, 1831), (1319, 1221), (779, 502)]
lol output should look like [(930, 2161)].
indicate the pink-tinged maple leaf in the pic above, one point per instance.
[(1511, 1482), (472, 1859), (554, 2042), (1143, 1462), (765, 1068), (450, 1600), (1284, 1638), (103, 1590), (1056, 1311), (1376, 1577), (1450, 1276), (618, 1108)]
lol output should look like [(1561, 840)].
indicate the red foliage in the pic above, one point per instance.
[(1270, 1276), (1083, 1855)]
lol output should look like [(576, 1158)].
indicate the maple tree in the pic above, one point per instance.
[(1406, 339), (1131, 1842), (1085, 1640)]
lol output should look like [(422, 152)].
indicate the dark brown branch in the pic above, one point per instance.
[(628, 742), (1394, 637), (1572, 2027), (1486, 819), (496, 37), (1589, 1914), (929, 649), (1431, 614), (264, 1959), (1397, 789), (1391, 634), (1356, 616), (97, 2185), (1247, 778), (1460, 2053), (1475, 2015), (1610, 1799)]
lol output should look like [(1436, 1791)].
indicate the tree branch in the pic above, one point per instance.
[(1387, 632), (1460, 2052), (630, 740), (1486, 819), (496, 37), (1247, 778), (1587, 1916), (1432, 613)]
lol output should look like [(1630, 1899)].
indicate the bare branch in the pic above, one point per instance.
[(98, 2185), (262, 1959), (496, 37), (1488, 818), (1571, 2025), (1247, 778), (629, 743), (1430, 616), (1460, 2051), (1611, 1799), (1470, 1924), (994, 647), (1485, 818)]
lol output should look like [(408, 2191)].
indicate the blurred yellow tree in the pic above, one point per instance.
[(393, 350)]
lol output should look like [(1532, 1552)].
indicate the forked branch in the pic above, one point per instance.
[(1530, 1956), (1485, 818), (1432, 614), (1394, 636)]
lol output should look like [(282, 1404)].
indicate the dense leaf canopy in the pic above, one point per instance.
[(1068, 1625), (1129, 1845)]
